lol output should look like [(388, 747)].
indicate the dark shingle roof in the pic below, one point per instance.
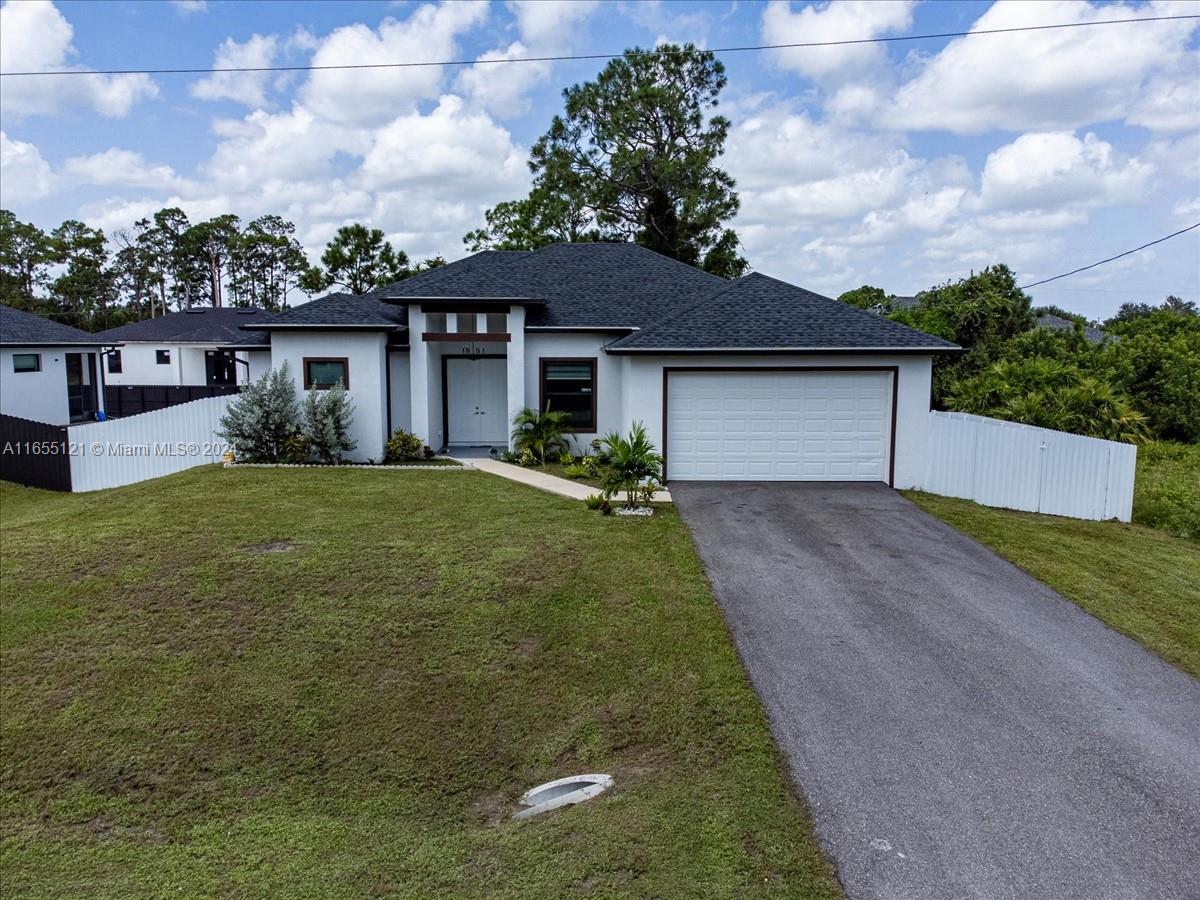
[(338, 311), (597, 285), (20, 328), (1093, 334), (201, 325), (757, 312)]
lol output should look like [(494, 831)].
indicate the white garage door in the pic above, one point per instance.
[(778, 426)]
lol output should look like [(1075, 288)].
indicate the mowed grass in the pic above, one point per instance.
[(1142, 581), (1167, 490), (314, 683)]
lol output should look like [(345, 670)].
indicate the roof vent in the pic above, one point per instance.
[(246, 312), (194, 312), (563, 792)]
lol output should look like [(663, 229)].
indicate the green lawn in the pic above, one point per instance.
[(335, 683), (1167, 491), (1141, 581), (556, 469)]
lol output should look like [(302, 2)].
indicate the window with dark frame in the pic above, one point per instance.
[(27, 362), (162, 357), (569, 385), (322, 373), (114, 362)]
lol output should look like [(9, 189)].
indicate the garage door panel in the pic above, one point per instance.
[(777, 426)]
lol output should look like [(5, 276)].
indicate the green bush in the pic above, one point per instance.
[(326, 423), (403, 447), (541, 433), (575, 471), (1167, 491), (566, 458), (296, 450), (632, 460), (262, 418)]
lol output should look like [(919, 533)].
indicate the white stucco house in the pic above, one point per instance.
[(183, 348), (49, 372), (749, 379)]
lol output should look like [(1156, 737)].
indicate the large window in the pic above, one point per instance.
[(162, 357), (27, 362), (114, 362), (322, 373), (569, 385)]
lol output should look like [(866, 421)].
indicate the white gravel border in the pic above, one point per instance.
[(460, 467)]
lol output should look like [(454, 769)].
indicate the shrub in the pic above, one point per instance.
[(259, 422), (598, 502), (296, 450), (402, 447), (575, 471), (648, 491), (631, 460), (591, 466), (327, 416), (542, 433), (566, 458)]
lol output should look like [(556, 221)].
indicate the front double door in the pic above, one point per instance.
[(476, 397)]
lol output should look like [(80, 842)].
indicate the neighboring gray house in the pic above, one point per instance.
[(1093, 334), (49, 372), (750, 379)]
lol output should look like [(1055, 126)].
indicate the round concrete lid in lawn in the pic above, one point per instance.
[(562, 792)]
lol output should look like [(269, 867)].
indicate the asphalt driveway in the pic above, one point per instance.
[(958, 729)]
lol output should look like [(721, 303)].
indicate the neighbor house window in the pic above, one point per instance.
[(114, 362), (162, 357), (27, 362), (569, 385), (322, 373)]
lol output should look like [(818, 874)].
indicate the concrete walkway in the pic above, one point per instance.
[(532, 477), (959, 729)]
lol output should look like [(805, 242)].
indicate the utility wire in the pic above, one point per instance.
[(1110, 259), (588, 56)]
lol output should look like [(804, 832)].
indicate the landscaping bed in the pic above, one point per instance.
[(341, 685)]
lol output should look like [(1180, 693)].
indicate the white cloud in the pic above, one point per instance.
[(24, 175), (121, 167), (374, 96), (848, 20), (1187, 210), (35, 37), (546, 24), (503, 89), (1171, 102), (1049, 170), (188, 7), (1042, 80), (248, 88)]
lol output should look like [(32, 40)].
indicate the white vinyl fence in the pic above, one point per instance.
[(1005, 464), (125, 451)]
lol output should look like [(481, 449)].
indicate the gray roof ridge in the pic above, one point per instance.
[(649, 329)]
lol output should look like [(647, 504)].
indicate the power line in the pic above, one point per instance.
[(590, 56), (1025, 287)]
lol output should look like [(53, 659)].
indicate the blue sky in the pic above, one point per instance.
[(900, 165)]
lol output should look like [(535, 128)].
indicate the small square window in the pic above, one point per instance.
[(27, 362), (435, 322), (114, 362), (497, 323), (464, 323), (162, 357), (323, 373)]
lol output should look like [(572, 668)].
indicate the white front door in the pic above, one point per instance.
[(779, 425), (476, 395)]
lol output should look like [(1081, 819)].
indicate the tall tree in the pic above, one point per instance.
[(25, 256), (357, 259), (266, 263), (633, 158), (133, 274), (206, 247), (83, 293)]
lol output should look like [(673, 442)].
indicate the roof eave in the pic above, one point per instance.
[(913, 351), (308, 326)]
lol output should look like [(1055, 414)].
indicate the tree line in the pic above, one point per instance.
[(1140, 381), (79, 275)]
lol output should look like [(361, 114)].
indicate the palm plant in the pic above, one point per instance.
[(631, 461), (541, 432)]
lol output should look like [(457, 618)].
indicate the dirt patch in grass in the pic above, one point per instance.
[(272, 547)]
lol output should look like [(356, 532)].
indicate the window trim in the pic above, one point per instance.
[(37, 360), (158, 354), (590, 361), (110, 357), (310, 386)]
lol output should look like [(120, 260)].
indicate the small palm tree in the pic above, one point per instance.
[(631, 461), (542, 433)]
